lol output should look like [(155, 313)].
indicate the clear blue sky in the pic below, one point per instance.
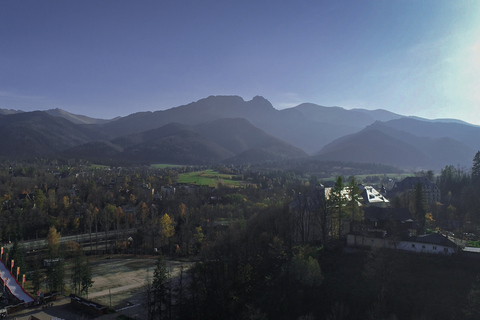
[(113, 57)]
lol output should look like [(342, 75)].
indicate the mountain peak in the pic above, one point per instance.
[(260, 103)]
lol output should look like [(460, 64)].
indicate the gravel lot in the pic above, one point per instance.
[(118, 282)]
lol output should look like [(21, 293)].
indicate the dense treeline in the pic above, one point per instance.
[(459, 209)]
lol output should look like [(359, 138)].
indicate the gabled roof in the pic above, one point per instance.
[(410, 183), (435, 238)]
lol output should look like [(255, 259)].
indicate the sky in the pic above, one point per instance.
[(113, 57)]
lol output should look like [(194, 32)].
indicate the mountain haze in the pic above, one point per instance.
[(307, 126), (75, 118), (228, 129), (393, 143), (37, 133), (206, 143)]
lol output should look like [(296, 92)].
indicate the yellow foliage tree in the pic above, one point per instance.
[(167, 228), (53, 240)]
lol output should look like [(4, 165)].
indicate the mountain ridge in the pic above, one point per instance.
[(236, 130)]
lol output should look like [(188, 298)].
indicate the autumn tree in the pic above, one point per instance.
[(39, 199), (167, 229), (53, 241)]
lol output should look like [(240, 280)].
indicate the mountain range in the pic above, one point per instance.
[(230, 130)]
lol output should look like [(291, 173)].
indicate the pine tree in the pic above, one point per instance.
[(337, 200), (476, 169), (157, 291), (354, 195), (420, 211), (86, 278)]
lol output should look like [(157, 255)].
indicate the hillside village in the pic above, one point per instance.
[(271, 220)]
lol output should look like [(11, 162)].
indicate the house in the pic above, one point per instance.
[(434, 243), (394, 228), (167, 190), (429, 243), (389, 222), (430, 189)]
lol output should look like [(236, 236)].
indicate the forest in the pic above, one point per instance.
[(249, 261)]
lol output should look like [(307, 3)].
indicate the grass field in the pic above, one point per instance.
[(209, 178)]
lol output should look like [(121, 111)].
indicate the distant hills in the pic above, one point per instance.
[(393, 143), (228, 129)]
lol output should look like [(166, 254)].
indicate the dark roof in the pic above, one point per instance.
[(435, 238), (410, 183)]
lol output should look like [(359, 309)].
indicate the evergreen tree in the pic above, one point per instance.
[(476, 169), (157, 291), (36, 276), (86, 278), (77, 270), (472, 309), (420, 211), (56, 274), (354, 196), (338, 201)]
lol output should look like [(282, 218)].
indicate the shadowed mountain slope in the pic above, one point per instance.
[(381, 143), (76, 118), (32, 134), (466, 133), (202, 144), (308, 126)]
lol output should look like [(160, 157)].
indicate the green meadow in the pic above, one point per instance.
[(209, 178)]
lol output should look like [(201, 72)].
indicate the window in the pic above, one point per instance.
[(434, 247), (413, 245), (423, 247)]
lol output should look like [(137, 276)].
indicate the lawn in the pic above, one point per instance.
[(210, 178)]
